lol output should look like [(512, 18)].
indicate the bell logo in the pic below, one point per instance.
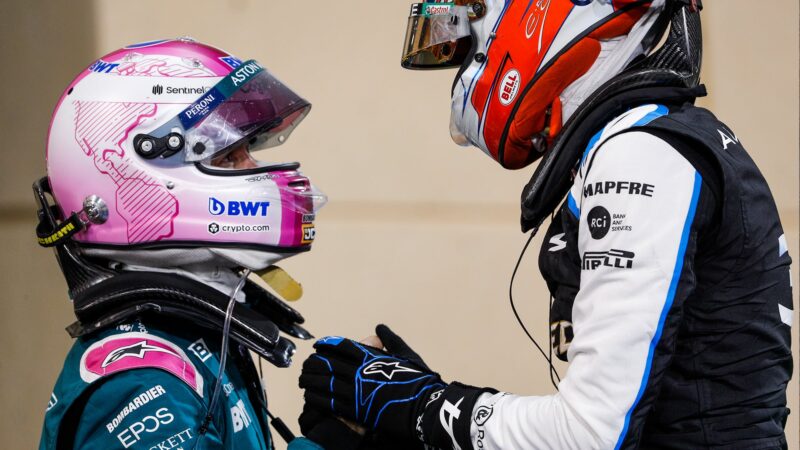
[(158, 89), (509, 87)]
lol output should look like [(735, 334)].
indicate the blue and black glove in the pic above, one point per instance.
[(393, 393)]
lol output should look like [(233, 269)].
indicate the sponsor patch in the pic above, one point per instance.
[(617, 259), (101, 66), (557, 243), (137, 402), (387, 368), (148, 424), (200, 349), (483, 414), (309, 233), (239, 416), (237, 208), (231, 61), (126, 351), (618, 188), (599, 221), (436, 9), (509, 87), (175, 441), (618, 223), (214, 228), (262, 177)]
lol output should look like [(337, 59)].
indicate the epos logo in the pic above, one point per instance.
[(148, 424), (237, 208)]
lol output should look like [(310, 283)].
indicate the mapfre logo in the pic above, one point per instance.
[(509, 87)]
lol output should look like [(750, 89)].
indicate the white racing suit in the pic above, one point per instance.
[(672, 298)]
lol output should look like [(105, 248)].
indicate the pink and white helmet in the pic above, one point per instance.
[(152, 144)]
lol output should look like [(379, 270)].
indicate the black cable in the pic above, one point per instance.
[(226, 328), (519, 319), (280, 427), (553, 370)]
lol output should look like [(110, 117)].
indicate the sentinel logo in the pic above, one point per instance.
[(237, 208), (159, 89)]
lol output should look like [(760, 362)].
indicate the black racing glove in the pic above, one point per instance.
[(395, 393), (328, 431)]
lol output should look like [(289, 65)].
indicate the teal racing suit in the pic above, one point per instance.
[(141, 387)]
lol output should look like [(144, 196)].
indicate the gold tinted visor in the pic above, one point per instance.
[(437, 36)]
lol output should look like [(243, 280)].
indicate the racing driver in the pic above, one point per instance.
[(158, 211), (665, 257)]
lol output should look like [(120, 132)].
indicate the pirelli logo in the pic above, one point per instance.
[(617, 259)]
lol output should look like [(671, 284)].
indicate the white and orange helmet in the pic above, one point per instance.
[(525, 66)]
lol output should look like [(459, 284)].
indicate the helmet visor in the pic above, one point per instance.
[(249, 106), (437, 36)]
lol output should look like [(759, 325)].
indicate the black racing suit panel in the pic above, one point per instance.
[(672, 298)]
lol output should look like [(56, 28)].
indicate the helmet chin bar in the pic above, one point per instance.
[(671, 73)]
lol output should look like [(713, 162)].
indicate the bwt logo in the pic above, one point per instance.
[(158, 89), (101, 66), (237, 208)]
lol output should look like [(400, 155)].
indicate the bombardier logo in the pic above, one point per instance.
[(387, 369), (617, 259), (237, 208)]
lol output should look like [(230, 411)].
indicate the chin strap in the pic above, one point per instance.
[(49, 231)]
